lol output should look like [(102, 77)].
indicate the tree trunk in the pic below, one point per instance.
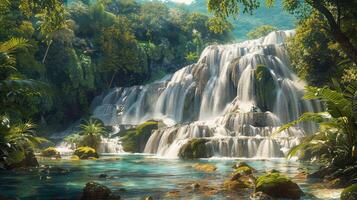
[(48, 47), (336, 32), (112, 79)]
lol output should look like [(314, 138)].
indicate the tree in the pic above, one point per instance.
[(261, 31), (17, 141), (14, 89), (91, 132), (338, 14)]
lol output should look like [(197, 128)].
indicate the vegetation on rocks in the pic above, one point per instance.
[(50, 152), (349, 193), (134, 140), (278, 186), (85, 153), (193, 149)]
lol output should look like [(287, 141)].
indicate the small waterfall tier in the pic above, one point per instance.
[(234, 97)]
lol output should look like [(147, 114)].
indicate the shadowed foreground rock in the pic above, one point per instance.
[(96, 191), (278, 186)]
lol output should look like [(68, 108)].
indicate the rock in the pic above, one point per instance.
[(53, 170), (260, 196), (238, 182), (243, 168), (193, 149), (74, 157), (28, 161), (51, 152), (195, 186), (135, 139), (85, 153), (205, 167), (103, 175), (94, 191), (349, 193), (149, 198), (278, 186), (265, 87)]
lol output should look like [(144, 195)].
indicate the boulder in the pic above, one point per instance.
[(239, 181), (51, 152), (193, 149), (85, 153), (243, 168), (134, 139), (278, 186), (349, 193), (29, 160), (95, 191), (265, 88)]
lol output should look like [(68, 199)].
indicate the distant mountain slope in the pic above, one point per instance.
[(274, 16)]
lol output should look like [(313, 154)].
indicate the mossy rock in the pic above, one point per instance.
[(135, 139), (193, 149), (277, 185), (51, 152), (349, 193), (94, 191), (85, 153), (243, 168), (238, 182), (265, 88)]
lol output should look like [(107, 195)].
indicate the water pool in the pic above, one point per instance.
[(136, 176)]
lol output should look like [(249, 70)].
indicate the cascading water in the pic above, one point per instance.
[(235, 97)]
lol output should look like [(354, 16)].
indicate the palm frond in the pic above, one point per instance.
[(308, 116)]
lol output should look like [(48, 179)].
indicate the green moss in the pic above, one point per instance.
[(85, 153), (50, 152), (278, 186), (265, 88), (134, 140), (349, 193), (195, 148)]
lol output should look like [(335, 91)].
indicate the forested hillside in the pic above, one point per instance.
[(81, 48)]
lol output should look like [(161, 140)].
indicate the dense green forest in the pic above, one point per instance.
[(56, 56), (81, 49)]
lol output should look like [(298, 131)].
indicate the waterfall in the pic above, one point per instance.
[(235, 97)]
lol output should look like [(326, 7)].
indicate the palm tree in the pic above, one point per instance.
[(91, 131), (17, 141), (336, 140), (14, 89)]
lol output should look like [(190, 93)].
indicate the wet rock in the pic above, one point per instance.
[(260, 196), (243, 168), (135, 139), (149, 198), (193, 149), (278, 186), (85, 153), (205, 167), (349, 193), (95, 191), (51, 152), (53, 170), (103, 176), (238, 182)]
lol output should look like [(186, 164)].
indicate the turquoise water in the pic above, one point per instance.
[(137, 176)]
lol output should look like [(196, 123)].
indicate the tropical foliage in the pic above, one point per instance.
[(336, 141), (90, 134), (16, 141)]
